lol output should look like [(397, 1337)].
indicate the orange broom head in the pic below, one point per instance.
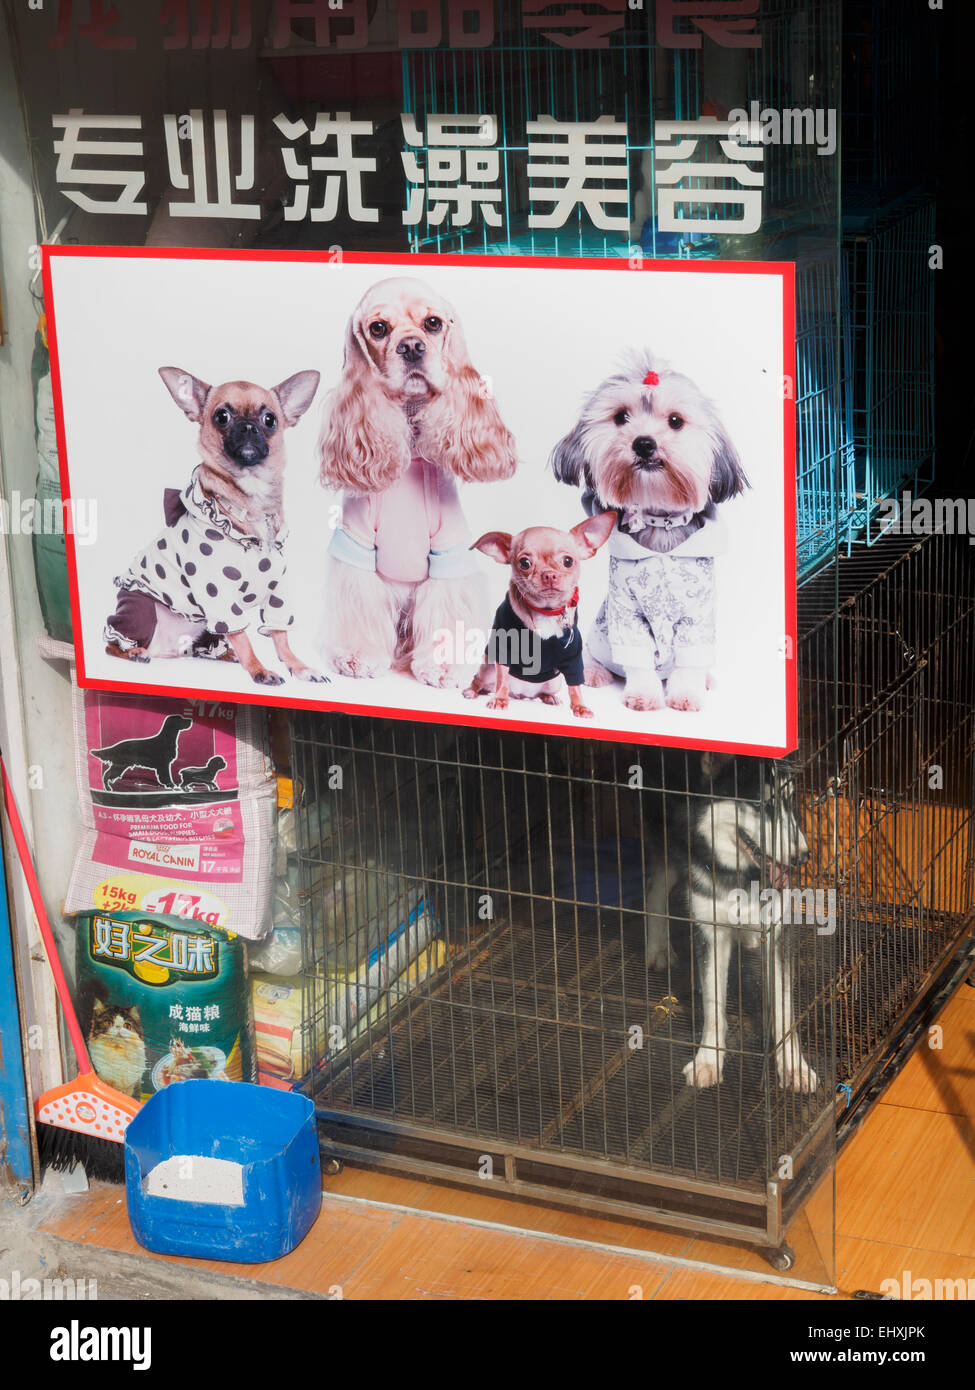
[(87, 1106)]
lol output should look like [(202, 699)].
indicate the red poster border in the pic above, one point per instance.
[(784, 269)]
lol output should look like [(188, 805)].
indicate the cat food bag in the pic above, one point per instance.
[(177, 808), (162, 1000)]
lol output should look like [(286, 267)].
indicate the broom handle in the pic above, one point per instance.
[(53, 960)]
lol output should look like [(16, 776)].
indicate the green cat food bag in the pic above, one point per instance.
[(162, 1000)]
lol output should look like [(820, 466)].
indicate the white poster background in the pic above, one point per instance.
[(544, 336)]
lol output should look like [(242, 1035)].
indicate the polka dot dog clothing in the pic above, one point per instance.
[(202, 575)]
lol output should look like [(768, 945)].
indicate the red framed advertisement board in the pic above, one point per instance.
[(330, 435)]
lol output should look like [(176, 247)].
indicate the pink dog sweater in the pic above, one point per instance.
[(412, 531)]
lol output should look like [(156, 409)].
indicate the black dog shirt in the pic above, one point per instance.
[(529, 657)]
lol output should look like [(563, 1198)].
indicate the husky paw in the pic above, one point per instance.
[(660, 957), (706, 1068), (795, 1073), (657, 941)]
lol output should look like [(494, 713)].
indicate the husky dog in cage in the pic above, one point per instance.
[(738, 824), (650, 446)]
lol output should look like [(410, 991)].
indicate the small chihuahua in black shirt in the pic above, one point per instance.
[(535, 641)]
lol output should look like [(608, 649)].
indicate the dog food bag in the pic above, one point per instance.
[(177, 808), (161, 999)]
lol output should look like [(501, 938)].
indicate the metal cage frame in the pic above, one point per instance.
[(576, 84), (449, 1073)]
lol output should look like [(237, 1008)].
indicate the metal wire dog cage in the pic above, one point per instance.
[(887, 701), (635, 81), (887, 53), (826, 500), (542, 1044), (891, 367), (863, 329), (479, 984)]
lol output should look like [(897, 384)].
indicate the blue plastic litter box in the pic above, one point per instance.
[(273, 1136)]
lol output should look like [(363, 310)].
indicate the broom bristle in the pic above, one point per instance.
[(63, 1149)]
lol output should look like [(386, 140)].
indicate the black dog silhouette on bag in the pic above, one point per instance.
[(157, 754), (205, 777)]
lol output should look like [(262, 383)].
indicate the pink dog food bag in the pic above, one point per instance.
[(177, 808)]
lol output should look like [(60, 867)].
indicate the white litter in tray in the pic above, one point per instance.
[(194, 1178)]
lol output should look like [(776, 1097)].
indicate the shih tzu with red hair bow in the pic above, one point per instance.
[(409, 418), (649, 445)]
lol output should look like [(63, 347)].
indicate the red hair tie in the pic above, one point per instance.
[(651, 379)]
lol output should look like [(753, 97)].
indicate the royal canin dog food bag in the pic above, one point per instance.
[(177, 809)]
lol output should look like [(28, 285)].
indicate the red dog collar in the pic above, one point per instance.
[(573, 602)]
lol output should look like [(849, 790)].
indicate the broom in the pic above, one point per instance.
[(84, 1120)]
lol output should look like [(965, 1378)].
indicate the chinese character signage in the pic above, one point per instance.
[(520, 492), (451, 174), (635, 126), (350, 26)]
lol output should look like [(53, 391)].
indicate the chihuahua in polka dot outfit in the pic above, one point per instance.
[(217, 568)]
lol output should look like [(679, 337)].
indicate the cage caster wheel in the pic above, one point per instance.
[(331, 1167), (782, 1259)]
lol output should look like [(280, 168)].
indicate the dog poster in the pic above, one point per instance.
[(541, 494)]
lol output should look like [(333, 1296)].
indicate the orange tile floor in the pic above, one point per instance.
[(905, 1194)]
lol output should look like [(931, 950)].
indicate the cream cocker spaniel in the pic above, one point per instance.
[(409, 417)]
